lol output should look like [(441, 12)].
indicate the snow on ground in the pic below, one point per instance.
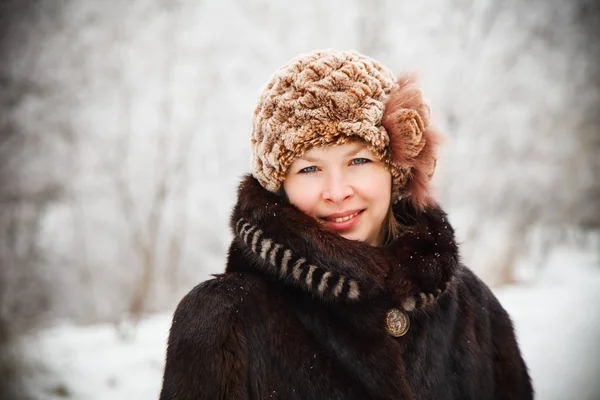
[(556, 318), (558, 326), (95, 362)]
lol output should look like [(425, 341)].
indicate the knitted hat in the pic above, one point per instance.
[(333, 97)]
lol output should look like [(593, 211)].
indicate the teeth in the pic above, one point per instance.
[(346, 218)]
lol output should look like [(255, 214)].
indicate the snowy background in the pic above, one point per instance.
[(124, 130)]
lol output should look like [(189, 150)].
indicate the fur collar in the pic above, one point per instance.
[(284, 242)]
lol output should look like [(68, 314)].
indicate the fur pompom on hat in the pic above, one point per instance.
[(332, 97)]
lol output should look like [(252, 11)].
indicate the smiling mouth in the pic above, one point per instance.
[(341, 220), (345, 218)]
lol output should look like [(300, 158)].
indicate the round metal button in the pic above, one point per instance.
[(397, 322)]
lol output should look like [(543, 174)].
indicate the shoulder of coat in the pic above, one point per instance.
[(209, 314), (466, 281), (217, 299), (471, 289)]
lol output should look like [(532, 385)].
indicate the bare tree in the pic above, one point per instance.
[(155, 244)]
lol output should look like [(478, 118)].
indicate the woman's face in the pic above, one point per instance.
[(344, 186)]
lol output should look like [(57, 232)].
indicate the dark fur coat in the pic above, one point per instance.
[(300, 313)]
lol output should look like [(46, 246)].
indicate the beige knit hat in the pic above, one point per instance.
[(332, 97)]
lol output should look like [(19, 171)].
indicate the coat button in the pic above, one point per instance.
[(396, 322)]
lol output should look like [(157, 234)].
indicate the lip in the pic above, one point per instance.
[(342, 214), (344, 225)]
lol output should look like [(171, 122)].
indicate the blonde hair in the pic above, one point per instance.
[(391, 227)]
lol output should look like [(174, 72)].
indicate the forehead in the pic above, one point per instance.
[(341, 150)]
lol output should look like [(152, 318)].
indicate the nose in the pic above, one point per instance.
[(337, 188)]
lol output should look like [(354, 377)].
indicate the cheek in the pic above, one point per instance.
[(302, 194), (379, 188)]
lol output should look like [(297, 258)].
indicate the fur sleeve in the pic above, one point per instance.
[(206, 355)]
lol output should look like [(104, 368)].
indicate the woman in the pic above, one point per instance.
[(343, 278)]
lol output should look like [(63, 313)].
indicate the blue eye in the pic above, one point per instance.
[(308, 170), (356, 161)]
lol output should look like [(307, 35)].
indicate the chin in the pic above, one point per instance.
[(354, 236)]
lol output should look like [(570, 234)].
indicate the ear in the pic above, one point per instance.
[(413, 143)]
